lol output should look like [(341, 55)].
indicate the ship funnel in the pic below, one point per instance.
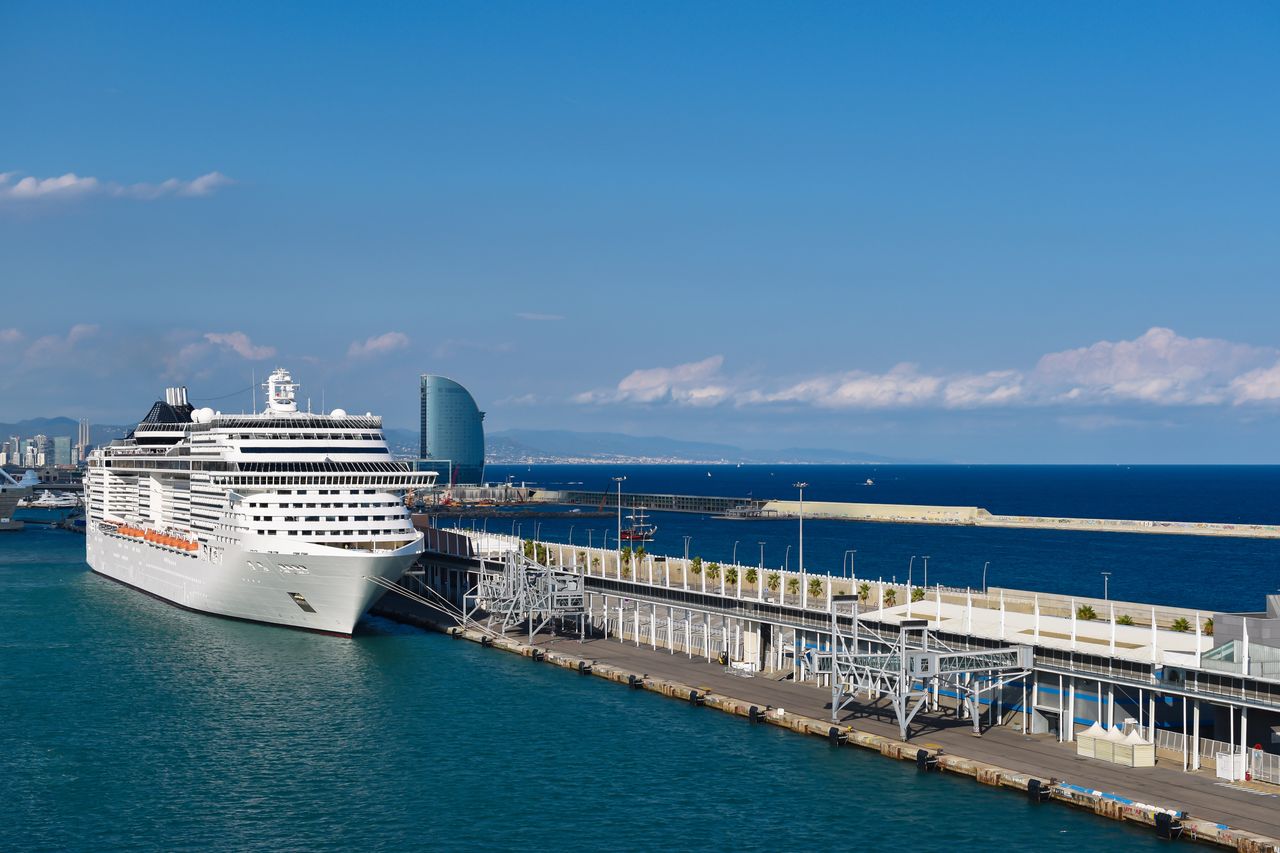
[(176, 396)]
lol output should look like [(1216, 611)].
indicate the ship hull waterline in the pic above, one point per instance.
[(325, 593)]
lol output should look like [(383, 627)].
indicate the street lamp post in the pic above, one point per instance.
[(910, 566), (619, 480), (1106, 586), (804, 588), (786, 559), (686, 547), (984, 576), (735, 552), (848, 558), (926, 571), (570, 535)]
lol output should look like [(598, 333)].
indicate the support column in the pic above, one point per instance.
[(1195, 735)]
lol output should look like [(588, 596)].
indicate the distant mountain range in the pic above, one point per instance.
[(533, 445), (525, 445)]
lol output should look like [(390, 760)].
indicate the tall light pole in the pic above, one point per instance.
[(786, 559), (926, 571), (910, 565), (1106, 586), (735, 552), (850, 561), (619, 480), (686, 547), (984, 576), (570, 535), (801, 487)]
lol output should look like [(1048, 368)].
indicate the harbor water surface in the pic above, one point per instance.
[(131, 724), (128, 723)]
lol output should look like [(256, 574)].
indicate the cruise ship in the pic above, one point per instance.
[(283, 517)]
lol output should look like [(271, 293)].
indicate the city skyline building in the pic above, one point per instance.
[(451, 429), (82, 439), (62, 450)]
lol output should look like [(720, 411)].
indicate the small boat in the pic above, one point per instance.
[(640, 529), (869, 482), (48, 500)]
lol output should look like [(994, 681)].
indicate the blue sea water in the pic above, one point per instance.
[(127, 724), (1200, 572)]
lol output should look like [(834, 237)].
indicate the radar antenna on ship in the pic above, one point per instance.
[(281, 390)]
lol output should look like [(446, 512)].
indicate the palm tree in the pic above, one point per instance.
[(626, 554), (751, 576), (540, 553), (695, 565), (890, 597), (793, 586), (815, 588), (528, 548), (864, 590), (595, 562), (640, 552), (1181, 625), (917, 594), (713, 571), (1124, 619), (731, 575), (1208, 626), (1086, 613), (775, 581)]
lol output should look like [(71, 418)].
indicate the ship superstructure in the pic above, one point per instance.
[(280, 517)]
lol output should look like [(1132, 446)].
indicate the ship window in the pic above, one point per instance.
[(299, 600)]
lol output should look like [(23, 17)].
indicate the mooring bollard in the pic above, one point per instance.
[(1037, 791)]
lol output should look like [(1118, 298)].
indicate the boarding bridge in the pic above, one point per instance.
[(521, 592), (911, 667)]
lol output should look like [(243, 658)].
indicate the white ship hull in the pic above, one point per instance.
[(255, 585)]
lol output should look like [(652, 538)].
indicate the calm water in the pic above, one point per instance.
[(127, 723), (1208, 573)]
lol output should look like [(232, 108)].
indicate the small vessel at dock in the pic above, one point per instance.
[(640, 530)]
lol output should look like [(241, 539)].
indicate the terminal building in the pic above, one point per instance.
[(452, 430)]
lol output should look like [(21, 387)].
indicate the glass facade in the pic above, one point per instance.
[(452, 429)]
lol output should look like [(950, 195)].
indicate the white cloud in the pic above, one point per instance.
[(543, 318), (53, 348), (695, 383), (1256, 386), (239, 343), (73, 185), (63, 186), (10, 336), (1158, 368), (378, 345)]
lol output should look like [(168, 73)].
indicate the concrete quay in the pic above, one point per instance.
[(1235, 817), (1157, 671)]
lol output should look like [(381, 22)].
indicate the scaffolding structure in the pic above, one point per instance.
[(911, 667), (521, 592)]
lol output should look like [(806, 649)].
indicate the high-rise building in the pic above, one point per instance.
[(62, 450), (82, 439), (452, 429)]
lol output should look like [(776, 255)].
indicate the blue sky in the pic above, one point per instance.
[(979, 232)]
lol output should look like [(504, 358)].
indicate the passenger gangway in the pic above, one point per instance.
[(911, 668)]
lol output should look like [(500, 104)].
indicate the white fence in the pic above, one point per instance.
[(1262, 766)]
